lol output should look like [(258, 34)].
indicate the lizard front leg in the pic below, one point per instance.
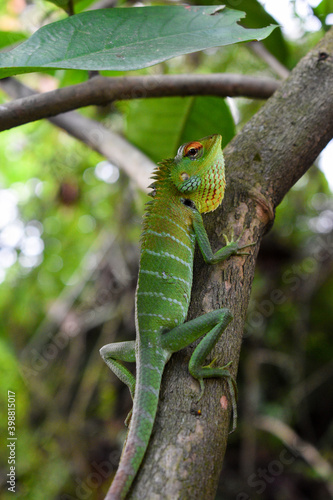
[(231, 248)]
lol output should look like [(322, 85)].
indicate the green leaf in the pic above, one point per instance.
[(257, 16), (167, 123), (78, 5), (127, 38), (10, 37), (63, 4)]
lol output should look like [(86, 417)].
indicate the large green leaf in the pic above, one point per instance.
[(127, 38), (167, 123), (256, 16)]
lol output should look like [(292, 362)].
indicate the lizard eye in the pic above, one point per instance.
[(193, 150)]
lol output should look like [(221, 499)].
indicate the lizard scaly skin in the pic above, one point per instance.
[(184, 187)]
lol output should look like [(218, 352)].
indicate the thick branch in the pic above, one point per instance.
[(271, 153), (279, 144), (101, 90)]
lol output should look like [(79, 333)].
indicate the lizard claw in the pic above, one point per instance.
[(202, 389), (227, 239), (236, 242), (128, 418)]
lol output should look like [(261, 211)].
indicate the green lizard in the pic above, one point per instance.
[(186, 186)]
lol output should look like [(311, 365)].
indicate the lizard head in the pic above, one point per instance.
[(198, 172)]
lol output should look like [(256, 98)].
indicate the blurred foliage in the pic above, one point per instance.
[(180, 118), (322, 11), (69, 249)]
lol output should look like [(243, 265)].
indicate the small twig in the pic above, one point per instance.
[(304, 388), (300, 447), (70, 8), (261, 51), (101, 90)]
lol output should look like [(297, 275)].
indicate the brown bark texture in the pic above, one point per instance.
[(102, 90), (273, 150)]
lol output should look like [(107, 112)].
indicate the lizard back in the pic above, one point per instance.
[(166, 264), (165, 280)]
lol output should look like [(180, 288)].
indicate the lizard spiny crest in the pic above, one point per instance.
[(196, 174)]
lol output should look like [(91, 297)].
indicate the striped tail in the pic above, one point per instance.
[(145, 404)]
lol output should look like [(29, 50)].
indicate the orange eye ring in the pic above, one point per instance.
[(193, 149)]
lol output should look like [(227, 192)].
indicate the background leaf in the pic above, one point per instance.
[(167, 123), (323, 10), (256, 16), (125, 39), (8, 38)]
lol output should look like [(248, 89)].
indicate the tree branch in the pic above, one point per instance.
[(115, 148), (101, 90), (93, 133), (274, 149), (260, 50)]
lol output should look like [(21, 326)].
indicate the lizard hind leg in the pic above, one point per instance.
[(210, 326), (114, 355)]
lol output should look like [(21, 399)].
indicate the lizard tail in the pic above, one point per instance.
[(141, 426)]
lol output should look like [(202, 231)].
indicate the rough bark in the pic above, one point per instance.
[(271, 153)]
